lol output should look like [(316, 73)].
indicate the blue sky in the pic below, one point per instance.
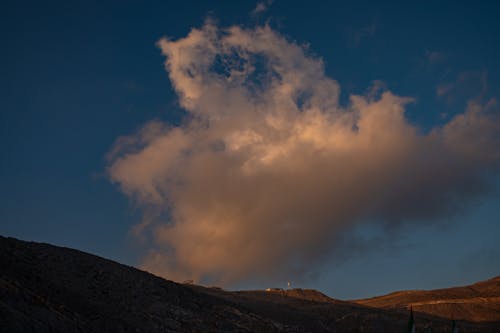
[(78, 75)]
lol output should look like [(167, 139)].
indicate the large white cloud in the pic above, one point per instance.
[(268, 169)]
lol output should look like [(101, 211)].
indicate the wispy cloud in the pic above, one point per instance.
[(261, 7), (357, 34), (434, 57), (269, 170), (467, 84)]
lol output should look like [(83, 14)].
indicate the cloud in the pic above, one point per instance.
[(467, 84), (434, 57), (268, 170), (261, 7), (357, 35)]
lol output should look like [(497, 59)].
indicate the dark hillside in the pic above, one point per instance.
[(44, 288), (479, 302)]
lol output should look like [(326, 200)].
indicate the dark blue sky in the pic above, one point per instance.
[(77, 75)]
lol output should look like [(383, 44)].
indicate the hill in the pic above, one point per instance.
[(45, 288), (477, 302)]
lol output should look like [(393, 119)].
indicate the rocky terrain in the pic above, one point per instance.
[(479, 302), (44, 288)]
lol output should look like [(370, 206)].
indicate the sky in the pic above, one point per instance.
[(350, 147)]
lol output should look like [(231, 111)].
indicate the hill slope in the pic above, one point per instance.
[(44, 288), (477, 302)]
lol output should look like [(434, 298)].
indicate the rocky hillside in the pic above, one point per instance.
[(478, 302), (44, 288)]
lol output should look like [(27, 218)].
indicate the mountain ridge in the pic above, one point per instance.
[(479, 301), (45, 288)]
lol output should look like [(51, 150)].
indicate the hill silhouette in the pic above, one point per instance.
[(477, 302), (45, 288)]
